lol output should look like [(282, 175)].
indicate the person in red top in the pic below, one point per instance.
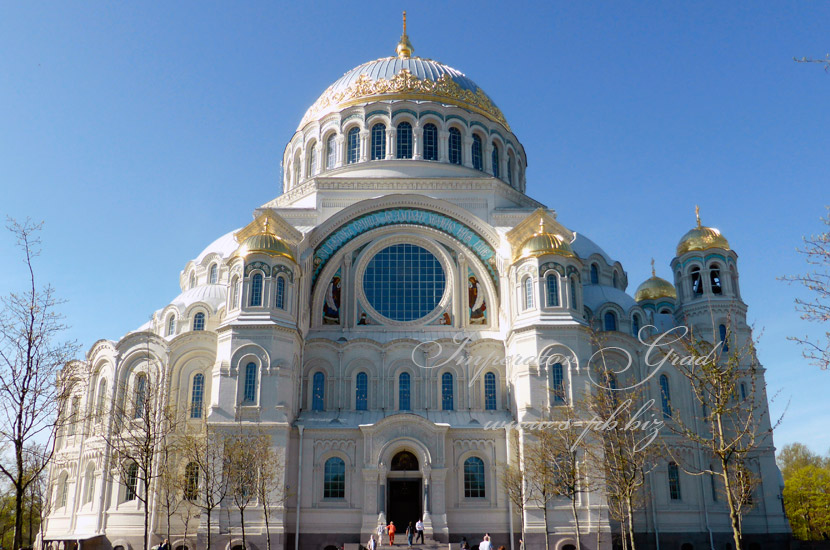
[(391, 530)]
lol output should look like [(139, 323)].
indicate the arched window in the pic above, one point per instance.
[(665, 396), (510, 169), (404, 391), (63, 490), (140, 396), (318, 392), (697, 282), (102, 396), (353, 146), (478, 162), (197, 395), (615, 280), (674, 481), (131, 482), (89, 480), (331, 152), (594, 274), (334, 482), (552, 287), (235, 292), (378, 141), (527, 292), (474, 478), (191, 481), (611, 384), (446, 392), (495, 161), (489, 392), (743, 391), (73, 415), (714, 279), (256, 290), (193, 279), (312, 160), (171, 325), (362, 392), (280, 293), (723, 339), (250, 383), (635, 325), (610, 321), (557, 382), (199, 321), (214, 274), (403, 144), (430, 142), (297, 169), (455, 146), (573, 294)]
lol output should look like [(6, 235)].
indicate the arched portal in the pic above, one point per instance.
[(405, 483)]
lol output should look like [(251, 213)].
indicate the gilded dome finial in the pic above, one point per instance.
[(404, 48), (697, 215), (265, 226), (541, 225), (653, 272)]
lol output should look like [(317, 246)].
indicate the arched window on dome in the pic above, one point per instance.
[(197, 395), (724, 340), (474, 478), (404, 391), (213, 278), (697, 282), (353, 138), (594, 274), (311, 166), (192, 279), (235, 292), (362, 392), (510, 169), (446, 392), (527, 293), (249, 393), (318, 390), (478, 162), (256, 290), (615, 280), (280, 302), (552, 290), (495, 161), (378, 141), (635, 325), (714, 279), (490, 392), (403, 144), (331, 152), (199, 321), (610, 321), (454, 145), (297, 166), (171, 325), (430, 142), (665, 396)]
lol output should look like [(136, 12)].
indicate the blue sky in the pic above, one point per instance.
[(141, 132)]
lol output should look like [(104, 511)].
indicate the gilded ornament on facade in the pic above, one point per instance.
[(445, 89)]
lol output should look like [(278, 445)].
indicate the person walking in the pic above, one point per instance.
[(485, 544), (419, 527), (381, 530), (165, 545), (391, 530), (372, 544), (464, 544), (410, 533)]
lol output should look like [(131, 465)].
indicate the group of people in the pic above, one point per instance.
[(485, 544), (412, 530)]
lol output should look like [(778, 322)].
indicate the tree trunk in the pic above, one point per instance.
[(733, 512), (207, 512), (576, 524), (629, 507), (267, 527), (545, 514), (18, 495), (242, 521)]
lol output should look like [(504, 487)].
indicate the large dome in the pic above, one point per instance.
[(403, 77)]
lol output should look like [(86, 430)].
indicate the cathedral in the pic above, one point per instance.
[(386, 319)]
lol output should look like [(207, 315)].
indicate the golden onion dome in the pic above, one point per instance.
[(265, 243), (655, 288), (543, 243), (701, 238)]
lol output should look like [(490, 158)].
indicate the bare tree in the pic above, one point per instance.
[(171, 484), (206, 486), (825, 61), (735, 425), (816, 308), (270, 487), (32, 355), (242, 450), (142, 425), (512, 478)]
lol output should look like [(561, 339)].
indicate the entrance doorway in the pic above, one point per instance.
[(404, 503)]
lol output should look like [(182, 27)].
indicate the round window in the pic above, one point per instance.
[(404, 282)]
